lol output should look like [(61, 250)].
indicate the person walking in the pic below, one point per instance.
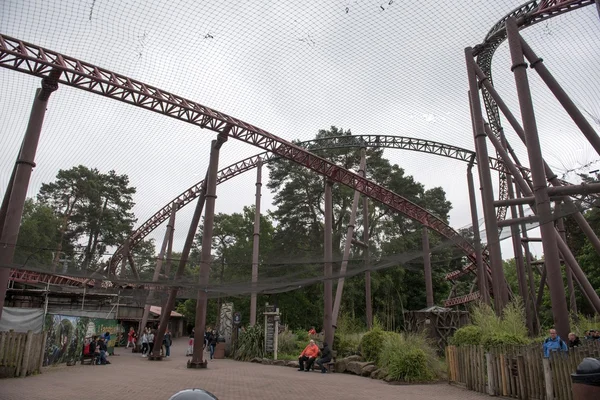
[(145, 343), (151, 342), (190, 349), (131, 338), (167, 341), (212, 343)]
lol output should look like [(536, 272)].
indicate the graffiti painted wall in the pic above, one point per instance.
[(67, 335)]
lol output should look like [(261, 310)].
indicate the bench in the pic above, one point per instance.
[(92, 358), (330, 366)]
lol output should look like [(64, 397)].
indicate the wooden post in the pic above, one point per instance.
[(490, 374), (503, 375), (522, 374), (42, 352), (2, 346), (548, 379), (27, 353)]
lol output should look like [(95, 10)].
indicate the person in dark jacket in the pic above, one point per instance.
[(213, 338), (574, 340), (167, 341), (325, 358), (103, 351)]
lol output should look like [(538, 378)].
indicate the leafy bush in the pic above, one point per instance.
[(512, 320), (287, 342), (250, 344), (409, 358), (348, 325), (582, 324), (371, 343), (503, 338), (466, 335), (347, 344), (490, 330)]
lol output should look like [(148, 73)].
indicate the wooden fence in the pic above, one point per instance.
[(21, 354), (517, 371)]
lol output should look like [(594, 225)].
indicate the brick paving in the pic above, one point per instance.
[(132, 377)]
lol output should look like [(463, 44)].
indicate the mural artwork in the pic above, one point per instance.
[(67, 335)]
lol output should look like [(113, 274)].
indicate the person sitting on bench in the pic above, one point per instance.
[(325, 358), (308, 355)]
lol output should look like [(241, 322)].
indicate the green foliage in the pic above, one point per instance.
[(371, 342), (582, 324), (299, 234), (503, 338), (347, 344), (491, 330), (467, 335), (250, 343), (512, 320), (409, 358), (94, 208), (287, 343), (38, 235)]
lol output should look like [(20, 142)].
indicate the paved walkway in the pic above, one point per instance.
[(132, 377)]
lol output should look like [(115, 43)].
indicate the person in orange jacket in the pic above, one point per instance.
[(312, 331), (308, 355)]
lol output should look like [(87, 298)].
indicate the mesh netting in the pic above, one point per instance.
[(375, 67)]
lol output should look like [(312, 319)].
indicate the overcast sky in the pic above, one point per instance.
[(292, 68)]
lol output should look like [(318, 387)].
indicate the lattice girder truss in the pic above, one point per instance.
[(37, 61)]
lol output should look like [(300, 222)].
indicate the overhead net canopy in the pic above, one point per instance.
[(374, 67)]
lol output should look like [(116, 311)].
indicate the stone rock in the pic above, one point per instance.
[(356, 367), (266, 361), (278, 362), (293, 364), (341, 365), (378, 374), (368, 369), (388, 378), (256, 360)]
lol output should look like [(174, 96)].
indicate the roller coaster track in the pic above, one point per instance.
[(34, 60), (31, 59), (247, 164), (526, 15)]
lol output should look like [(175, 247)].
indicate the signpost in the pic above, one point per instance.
[(271, 329)]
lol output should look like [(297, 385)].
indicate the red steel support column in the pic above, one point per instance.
[(368, 300), (24, 167), (328, 284), (125, 252), (206, 254), (562, 96), (6, 199), (255, 242), (185, 253), (560, 225), (349, 235), (427, 268), (570, 260), (540, 191), (499, 286), (551, 176), (484, 291), (168, 238)]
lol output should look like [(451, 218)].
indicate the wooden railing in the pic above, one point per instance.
[(520, 372), (21, 354)]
